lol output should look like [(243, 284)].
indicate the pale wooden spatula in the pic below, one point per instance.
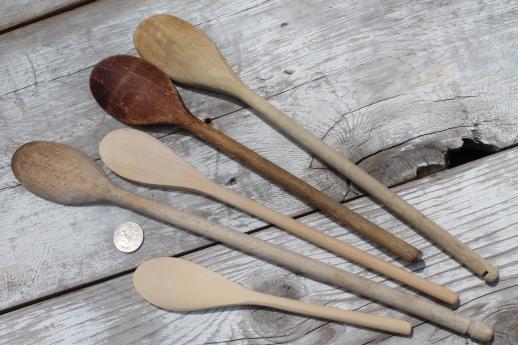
[(188, 56), (139, 157), (180, 285)]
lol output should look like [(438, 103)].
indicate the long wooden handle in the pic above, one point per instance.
[(352, 317), (296, 262), (332, 244), (305, 191), (419, 221)]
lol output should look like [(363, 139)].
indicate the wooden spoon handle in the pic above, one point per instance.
[(419, 221), (305, 191), (352, 317), (296, 262), (332, 244)]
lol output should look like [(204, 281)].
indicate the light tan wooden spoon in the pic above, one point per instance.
[(188, 56), (180, 285), (139, 157), (62, 174)]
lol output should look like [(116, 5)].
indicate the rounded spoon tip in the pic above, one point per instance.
[(136, 92), (59, 173)]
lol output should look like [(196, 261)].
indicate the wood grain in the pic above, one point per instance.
[(478, 200), (374, 70), (367, 89), (16, 12)]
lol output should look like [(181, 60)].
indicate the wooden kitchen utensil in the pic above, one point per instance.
[(180, 285), (137, 93), (188, 56), (139, 157), (64, 175)]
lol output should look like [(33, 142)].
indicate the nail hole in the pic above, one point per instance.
[(232, 181), (284, 25), (289, 71)]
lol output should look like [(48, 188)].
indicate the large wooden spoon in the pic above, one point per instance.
[(139, 157), (64, 175), (188, 56), (180, 285), (137, 93)]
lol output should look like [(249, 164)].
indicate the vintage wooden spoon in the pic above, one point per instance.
[(139, 157), (188, 56), (180, 285), (62, 174), (137, 93)]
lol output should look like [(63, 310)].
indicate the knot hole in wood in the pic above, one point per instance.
[(505, 324), (271, 323)]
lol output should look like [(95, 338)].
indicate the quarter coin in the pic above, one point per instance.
[(128, 237)]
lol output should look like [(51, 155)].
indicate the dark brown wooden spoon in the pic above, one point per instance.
[(138, 93)]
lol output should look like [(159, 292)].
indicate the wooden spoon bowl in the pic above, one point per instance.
[(59, 173), (137, 93)]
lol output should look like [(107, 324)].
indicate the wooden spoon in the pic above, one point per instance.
[(137, 93), (188, 56), (139, 157), (64, 175), (180, 285)]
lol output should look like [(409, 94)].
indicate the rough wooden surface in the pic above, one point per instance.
[(476, 202), (392, 85), (13, 13)]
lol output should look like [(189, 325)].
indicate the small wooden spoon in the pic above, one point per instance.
[(188, 56), (137, 93), (139, 157), (180, 285), (64, 175)]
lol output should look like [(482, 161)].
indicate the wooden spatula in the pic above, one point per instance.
[(139, 157), (180, 285), (188, 56)]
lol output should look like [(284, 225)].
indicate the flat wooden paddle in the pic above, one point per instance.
[(188, 56), (180, 285), (139, 157), (137, 93), (64, 175)]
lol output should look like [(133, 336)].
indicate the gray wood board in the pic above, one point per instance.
[(475, 202), (392, 107), (16, 12), (381, 52)]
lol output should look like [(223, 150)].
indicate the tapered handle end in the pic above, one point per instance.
[(480, 331), (491, 275)]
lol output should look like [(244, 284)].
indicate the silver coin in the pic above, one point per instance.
[(128, 237)]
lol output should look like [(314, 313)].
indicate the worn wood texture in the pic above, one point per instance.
[(392, 86), (16, 12), (477, 201)]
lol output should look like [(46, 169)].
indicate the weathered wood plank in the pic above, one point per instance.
[(476, 202), (260, 48), (16, 12), (388, 106)]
